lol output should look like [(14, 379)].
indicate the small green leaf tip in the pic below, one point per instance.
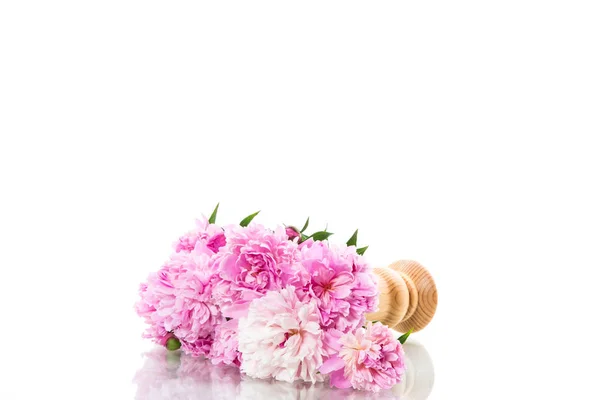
[(362, 250), (173, 344), (213, 216), (403, 338), (305, 225), (352, 240), (246, 221), (321, 235)]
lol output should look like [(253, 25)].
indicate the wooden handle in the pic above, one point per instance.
[(407, 296)]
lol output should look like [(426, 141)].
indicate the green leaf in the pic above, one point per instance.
[(246, 221), (305, 225), (403, 338), (213, 216), (303, 237), (362, 250), (321, 235), (352, 240)]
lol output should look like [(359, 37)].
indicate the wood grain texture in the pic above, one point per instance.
[(413, 295), (393, 297), (426, 295)]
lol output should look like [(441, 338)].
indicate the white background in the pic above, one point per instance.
[(462, 134)]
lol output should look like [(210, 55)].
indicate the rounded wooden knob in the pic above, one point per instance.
[(424, 287), (393, 297), (407, 296)]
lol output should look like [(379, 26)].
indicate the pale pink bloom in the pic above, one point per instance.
[(177, 301), (281, 338), (194, 315), (342, 282), (157, 299), (206, 234), (225, 346), (370, 359), (254, 261)]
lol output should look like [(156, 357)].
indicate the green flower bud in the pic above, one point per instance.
[(173, 344)]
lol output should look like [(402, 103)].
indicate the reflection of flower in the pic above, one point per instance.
[(194, 368), (225, 382), (255, 389), (330, 393), (174, 375), (371, 359), (160, 367), (281, 338)]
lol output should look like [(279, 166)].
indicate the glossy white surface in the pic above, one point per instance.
[(172, 375)]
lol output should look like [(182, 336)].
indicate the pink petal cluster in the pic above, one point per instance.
[(177, 300), (225, 346), (281, 337), (157, 299), (370, 358), (209, 235), (342, 282), (254, 261)]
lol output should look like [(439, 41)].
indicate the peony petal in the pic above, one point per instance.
[(341, 292), (338, 380), (236, 310), (343, 278), (332, 364), (228, 268)]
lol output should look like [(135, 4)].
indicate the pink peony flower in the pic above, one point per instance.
[(194, 315), (254, 261), (177, 301), (157, 297), (209, 235), (342, 282), (281, 338), (225, 346), (371, 359)]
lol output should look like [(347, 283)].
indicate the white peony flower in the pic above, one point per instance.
[(281, 338)]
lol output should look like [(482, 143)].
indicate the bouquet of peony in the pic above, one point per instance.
[(277, 304)]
